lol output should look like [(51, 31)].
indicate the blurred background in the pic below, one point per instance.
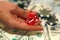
[(47, 10)]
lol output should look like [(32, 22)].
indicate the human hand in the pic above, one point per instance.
[(13, 16)]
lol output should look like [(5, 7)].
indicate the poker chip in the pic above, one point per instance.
[(52, 20), (23, 4), (44, 12)]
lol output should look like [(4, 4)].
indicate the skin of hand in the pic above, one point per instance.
[(13, 16)]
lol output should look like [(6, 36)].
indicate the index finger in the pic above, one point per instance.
[(21, 12)]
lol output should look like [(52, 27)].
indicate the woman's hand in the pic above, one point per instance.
[(13, 16)]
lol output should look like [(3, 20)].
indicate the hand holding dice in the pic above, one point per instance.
[(13, 16)]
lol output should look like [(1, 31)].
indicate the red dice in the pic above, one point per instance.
[(32, 18)]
